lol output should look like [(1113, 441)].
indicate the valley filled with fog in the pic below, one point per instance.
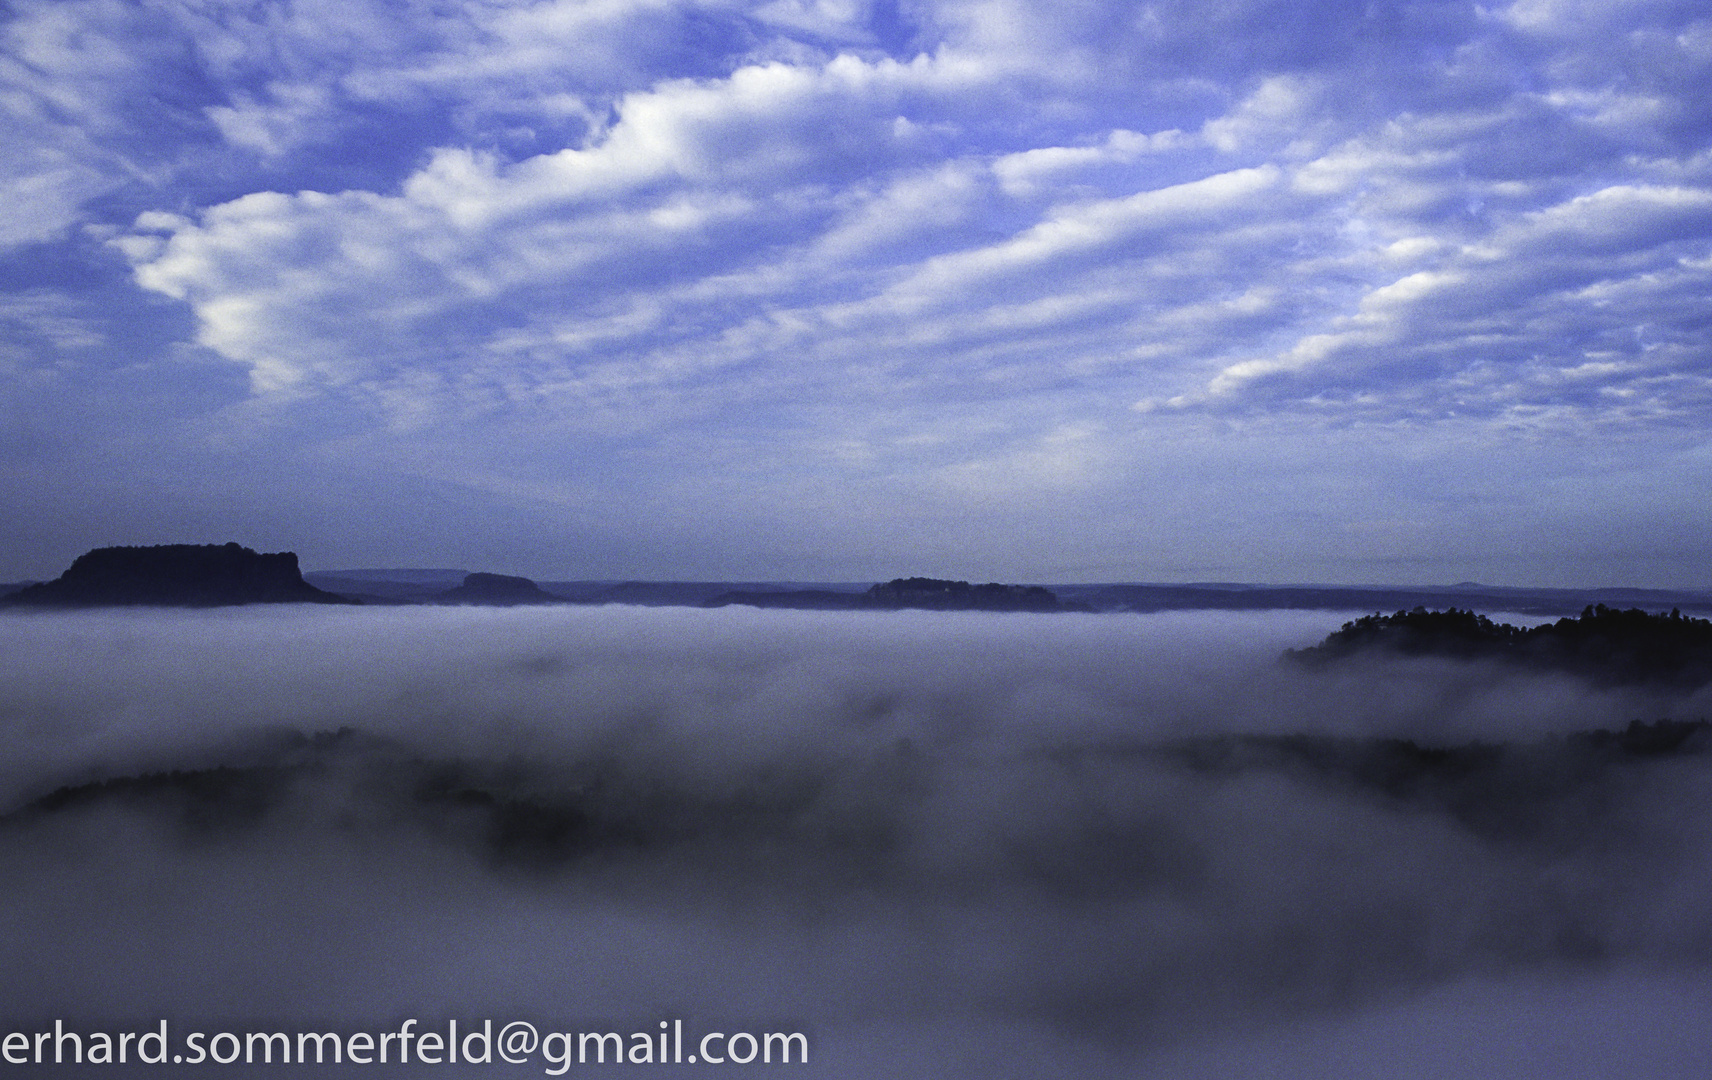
[(938, 843)]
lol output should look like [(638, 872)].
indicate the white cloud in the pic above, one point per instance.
[(272, 128), (289, 283), (53, 316), (1621, 218), (1083, 229), (1277, 117), (1049, 168), (847, 223), (66, 73)]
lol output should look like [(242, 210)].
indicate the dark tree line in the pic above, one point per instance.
[(1604, 644)]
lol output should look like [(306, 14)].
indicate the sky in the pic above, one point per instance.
[(846, 290)]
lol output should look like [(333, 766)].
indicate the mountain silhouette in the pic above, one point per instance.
[(501, 589), (175, 575)]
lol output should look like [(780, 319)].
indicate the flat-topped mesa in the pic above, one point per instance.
[(176, 575), (499, 589), (939, 595)]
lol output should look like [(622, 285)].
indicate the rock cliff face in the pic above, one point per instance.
[(176, 575)]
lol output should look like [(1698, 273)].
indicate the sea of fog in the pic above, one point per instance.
[(935, 844)]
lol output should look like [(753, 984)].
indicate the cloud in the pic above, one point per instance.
[(722, 198), (65, 70), (780, 233), (1548, 278), (52, 318), (682, 171)]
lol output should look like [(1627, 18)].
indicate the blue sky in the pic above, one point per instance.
[(831, 289)]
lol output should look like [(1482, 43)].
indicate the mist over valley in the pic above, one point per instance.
[(937, 843)]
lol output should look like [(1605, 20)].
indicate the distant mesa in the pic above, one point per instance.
[(496, 589), (934, 594), (1604, 644), (930, 594), (175, 575)]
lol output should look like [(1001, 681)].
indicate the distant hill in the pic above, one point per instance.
[(657, 593), (400, 586), (930, 594), (417, 586), (412, 586), (1236, 596), (175, 575), (500, 589), (934, 594), (1603, 644)]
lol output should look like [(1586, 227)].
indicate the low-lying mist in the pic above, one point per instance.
[(939, 844)]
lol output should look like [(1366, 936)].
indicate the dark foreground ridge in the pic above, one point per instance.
[(1494, 790), (929, 594), (1605, 645), (515, 812), (175, 575)]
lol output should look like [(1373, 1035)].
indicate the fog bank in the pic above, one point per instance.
[(938, 843)]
